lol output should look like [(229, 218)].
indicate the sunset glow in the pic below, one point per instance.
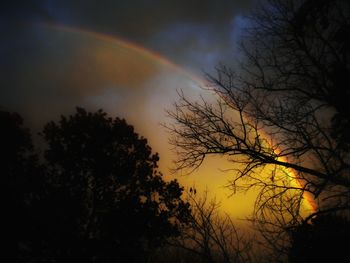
[(125, 63)]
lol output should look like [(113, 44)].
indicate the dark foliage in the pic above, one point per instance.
[(20, 183), (325, 239), (99, 196)]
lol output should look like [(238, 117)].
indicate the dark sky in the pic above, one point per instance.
[(126, 57), (37, 63), (192, 32)]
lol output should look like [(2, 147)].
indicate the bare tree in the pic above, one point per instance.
[(210, 235), (282, 118)]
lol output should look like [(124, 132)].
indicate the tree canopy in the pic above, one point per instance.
[(104, 199), (324, 239)]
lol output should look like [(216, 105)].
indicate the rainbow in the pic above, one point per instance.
[(310, 204), (296, 183), (123, 43)]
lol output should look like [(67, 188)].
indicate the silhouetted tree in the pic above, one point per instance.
[(101, 197), (21, 181), (283, 115), (324, 239), (211, 236)]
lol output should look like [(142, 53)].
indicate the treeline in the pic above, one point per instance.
[(93, 195)]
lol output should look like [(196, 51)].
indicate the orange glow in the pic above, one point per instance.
[(310, 204), (133, 65)]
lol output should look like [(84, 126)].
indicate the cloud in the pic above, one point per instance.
[(55, 68), (46, 73), (50, 71), (141, 18), (141, 21)]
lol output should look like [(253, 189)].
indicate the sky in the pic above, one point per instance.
[(127, 57)]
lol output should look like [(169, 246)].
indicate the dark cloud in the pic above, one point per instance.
[(195, 34), (45, 73), (136, 20), (199, 46), (48, 71)]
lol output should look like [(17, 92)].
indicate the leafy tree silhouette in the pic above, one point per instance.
[(104, 198), (325, 239), (21, 183)]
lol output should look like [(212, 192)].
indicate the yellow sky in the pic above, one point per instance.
[(80, 68)]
